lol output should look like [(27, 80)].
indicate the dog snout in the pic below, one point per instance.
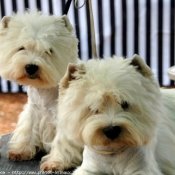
[(31, 69), (112, 132)]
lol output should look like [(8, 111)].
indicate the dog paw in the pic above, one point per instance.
[(50, 166), (81, 171), (16, 156)]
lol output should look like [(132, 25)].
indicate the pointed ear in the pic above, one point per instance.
[(74, 71), (5, 21), (67, 23), (141, 66)]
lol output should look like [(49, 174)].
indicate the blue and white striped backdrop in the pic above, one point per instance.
[(122, 27)]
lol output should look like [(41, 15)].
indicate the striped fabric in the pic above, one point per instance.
[(122, 27)]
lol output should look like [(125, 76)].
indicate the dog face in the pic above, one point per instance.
[(113, 103), (36, 49)]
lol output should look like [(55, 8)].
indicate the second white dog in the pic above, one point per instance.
[(115, 108)]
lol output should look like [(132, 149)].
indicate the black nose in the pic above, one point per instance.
[(112, 132), (31, 68)]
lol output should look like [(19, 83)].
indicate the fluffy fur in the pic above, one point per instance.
[(121, 94), (35, 51)]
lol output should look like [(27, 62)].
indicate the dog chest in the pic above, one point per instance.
[(43, 99)]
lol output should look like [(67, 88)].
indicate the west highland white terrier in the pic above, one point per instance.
[(35, 51), (116, 109)]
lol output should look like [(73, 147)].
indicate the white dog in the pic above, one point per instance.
[(35, 51), (115, 108)]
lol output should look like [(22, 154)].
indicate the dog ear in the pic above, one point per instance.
[(67, 23), (141, 66), (72, 69), (5, 21)]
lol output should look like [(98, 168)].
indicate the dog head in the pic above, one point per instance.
[(111, 103), (36, 49)]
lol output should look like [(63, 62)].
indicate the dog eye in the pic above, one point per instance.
[(21, 48), (124, 104), (97, 111), (49, 52), (94, 112)]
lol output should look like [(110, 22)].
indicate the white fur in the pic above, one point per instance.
[(90, 99), (64, 154), (38, 33), (50, 43)]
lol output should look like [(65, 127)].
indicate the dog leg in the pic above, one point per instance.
[(64, 155), (25, 138), (141, 161), (133, 161), (81, 171)]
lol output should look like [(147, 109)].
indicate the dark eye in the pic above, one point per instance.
[(94, 112), (97, 111), (21, 48), (124, 104), (49, 52)]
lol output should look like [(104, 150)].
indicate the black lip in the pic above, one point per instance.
[(34, 76)]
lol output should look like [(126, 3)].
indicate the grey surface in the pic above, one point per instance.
[(19, 168)]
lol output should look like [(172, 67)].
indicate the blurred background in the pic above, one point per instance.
[(122, 28)]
